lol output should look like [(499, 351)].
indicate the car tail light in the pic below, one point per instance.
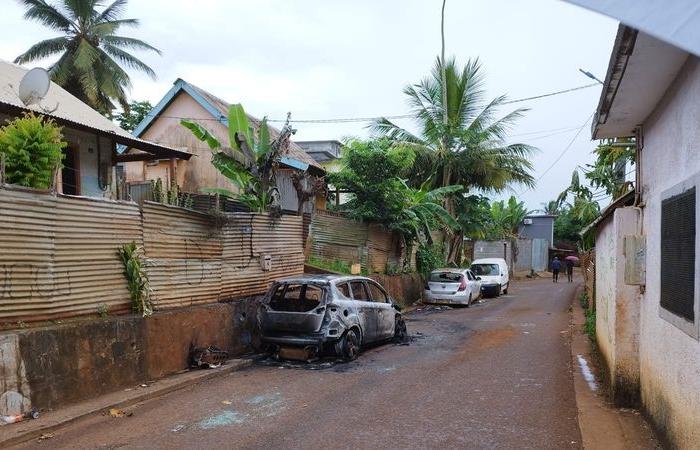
[(462, 285)]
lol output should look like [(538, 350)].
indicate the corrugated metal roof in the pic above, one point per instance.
[(72, 112)]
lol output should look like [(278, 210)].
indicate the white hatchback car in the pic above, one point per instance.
[(452, 286)]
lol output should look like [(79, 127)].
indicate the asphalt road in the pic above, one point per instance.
[(496, 375)]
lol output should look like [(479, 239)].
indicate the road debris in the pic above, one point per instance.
[(5, 420), (45, 436), (207, 358), (116, 412)]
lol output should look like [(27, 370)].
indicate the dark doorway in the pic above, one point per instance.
[(70, 174)]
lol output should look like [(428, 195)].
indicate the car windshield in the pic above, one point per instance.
[(446, 277), (485, 269)]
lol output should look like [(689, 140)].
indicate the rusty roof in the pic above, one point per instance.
[(69, 111)]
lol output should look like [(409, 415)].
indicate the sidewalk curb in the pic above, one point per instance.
[(602, 425), (206, 375)]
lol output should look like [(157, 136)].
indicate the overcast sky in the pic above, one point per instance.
[(325, 59)]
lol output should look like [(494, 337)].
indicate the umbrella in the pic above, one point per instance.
[(572, 258)]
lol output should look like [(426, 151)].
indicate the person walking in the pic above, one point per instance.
[(556, 267), (569, 270)]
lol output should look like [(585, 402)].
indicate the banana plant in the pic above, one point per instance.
[(250, 162)]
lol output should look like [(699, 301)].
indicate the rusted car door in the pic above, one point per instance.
[(365, 309), (386, 315)]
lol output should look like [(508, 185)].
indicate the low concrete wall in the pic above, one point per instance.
[(52, 366)]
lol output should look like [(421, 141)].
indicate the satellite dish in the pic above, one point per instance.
[(34, 86)]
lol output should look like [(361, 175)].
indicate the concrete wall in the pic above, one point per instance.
[(670, 356), (493, 249), (54, 366), (617, 307)]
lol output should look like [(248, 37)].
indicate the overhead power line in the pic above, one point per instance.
[(561, 155), (374, 118)]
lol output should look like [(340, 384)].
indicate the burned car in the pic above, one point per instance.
[(309, 315)]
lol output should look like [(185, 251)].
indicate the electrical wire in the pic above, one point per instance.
[(561, 155), (370, 119)]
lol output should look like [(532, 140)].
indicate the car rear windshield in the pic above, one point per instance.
[(446, 277), (296, 297), (485, 269)]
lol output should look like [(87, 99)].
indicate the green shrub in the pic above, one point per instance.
[(429, 258), (33, 148), (136, 278), (589, 324)]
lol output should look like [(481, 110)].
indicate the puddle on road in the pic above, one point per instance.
[(586, 372)]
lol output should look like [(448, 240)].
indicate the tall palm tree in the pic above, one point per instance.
[(466, 146), (91, 52), (462, 139)]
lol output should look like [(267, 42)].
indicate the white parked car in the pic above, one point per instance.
[(494, 275), (452, 286)]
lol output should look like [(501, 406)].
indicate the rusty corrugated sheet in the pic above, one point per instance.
[(58, 255), (194, 259), (334, 237)]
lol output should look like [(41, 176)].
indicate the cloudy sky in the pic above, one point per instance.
[(324, 59)]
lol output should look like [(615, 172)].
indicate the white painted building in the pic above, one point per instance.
[(647, 271)]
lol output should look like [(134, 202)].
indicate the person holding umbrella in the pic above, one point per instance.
[(569, 269)]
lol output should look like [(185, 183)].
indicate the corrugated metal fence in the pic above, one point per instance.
[(336, 238), (58, 254)]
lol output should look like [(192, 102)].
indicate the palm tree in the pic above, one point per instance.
[(462, 140), (91, 53)]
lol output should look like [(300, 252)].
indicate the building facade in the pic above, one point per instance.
[(187, 101), (647, 271)]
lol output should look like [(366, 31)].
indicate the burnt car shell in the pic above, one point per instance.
[(312, 311)]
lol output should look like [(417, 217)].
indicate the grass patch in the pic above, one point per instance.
[(589, 325), (333, 266)]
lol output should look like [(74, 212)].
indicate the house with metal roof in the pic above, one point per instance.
[(187, 101), (647, 276), (91, 155)]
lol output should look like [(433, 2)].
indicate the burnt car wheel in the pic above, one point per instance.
[(348, 346), (400, 332)]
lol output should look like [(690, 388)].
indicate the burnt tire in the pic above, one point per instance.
[(348, 347), (400, 332)]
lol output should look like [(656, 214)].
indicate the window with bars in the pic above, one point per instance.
[(678, 254)]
